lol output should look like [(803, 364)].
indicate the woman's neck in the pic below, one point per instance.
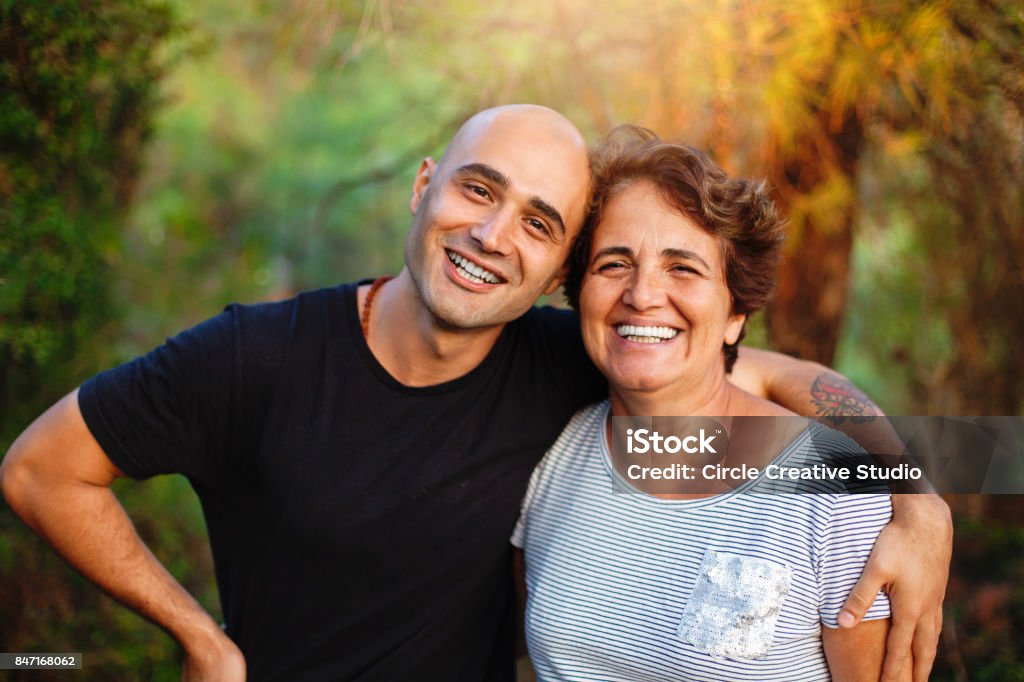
[(714, 398)]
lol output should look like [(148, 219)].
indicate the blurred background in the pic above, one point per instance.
[(159, 159)]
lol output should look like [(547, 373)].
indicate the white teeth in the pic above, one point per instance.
[(645, 334), (472, 271)]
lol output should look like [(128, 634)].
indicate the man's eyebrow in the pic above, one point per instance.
[(685, 255), (550, 211), (489, 172), (501, 180)]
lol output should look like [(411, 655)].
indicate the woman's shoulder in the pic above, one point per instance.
[(750, 405), (586, 421), (577, 446)]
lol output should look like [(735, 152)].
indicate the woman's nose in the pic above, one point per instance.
[(644, 291)]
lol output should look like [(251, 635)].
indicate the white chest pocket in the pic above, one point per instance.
[(734, 605)]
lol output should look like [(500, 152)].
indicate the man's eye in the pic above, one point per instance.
[(479, 191), (609, 267), (538, 225)]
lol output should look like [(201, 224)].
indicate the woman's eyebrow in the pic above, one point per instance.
[(614, 251), (684, 254)]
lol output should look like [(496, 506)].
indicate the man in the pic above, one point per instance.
[(360, 451)]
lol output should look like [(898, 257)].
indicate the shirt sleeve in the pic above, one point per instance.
[(540, 478), (849, 536), (171, 410), (518, 538)]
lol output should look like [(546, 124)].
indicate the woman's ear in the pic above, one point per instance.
[(733, 327)]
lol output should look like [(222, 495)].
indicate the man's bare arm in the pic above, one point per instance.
[(804, 387), (911, 555), (57, 479)]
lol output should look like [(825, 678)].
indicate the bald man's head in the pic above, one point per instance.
[(530, 122), (494, 219)]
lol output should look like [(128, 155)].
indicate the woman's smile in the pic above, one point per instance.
[(654, 303)]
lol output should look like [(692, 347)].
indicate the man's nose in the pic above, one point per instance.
[(495, 233)]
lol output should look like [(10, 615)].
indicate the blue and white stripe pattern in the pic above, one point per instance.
[(609, 574)]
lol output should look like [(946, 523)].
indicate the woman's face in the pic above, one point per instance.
[(654, 305)]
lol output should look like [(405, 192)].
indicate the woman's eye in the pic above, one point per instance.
[(683, 268), (608, 267)]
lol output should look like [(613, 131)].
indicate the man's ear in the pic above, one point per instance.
[(733, 328), (557, 280), (419, 185)]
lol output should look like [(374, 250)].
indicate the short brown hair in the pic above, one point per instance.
[(738, 212)]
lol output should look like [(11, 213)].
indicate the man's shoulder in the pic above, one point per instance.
[(550, 337), (551, 332), (263, 333), (550, 320), (320, 309), (300, 303)]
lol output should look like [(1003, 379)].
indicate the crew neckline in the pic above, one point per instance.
[(362, 348), (624, 487)]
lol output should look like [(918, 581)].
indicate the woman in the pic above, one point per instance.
[(689, 585)]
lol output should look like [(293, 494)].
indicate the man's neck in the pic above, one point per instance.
[(414, 346)]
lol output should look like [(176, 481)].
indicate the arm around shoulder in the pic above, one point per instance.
[(807, 388), (911, 560), (57, 478), (911, 556)]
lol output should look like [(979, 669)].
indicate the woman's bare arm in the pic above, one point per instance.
[(856, 654)]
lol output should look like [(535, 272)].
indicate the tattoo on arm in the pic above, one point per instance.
[(835, 397)]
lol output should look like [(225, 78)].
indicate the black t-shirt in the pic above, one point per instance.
[(359, 527)]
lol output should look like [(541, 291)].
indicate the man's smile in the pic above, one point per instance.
[(471, 271)]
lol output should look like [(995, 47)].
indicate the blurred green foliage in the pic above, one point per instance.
[(985, 600), (79, 86), (159, 159)]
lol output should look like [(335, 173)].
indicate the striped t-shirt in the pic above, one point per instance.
[(733, 587)]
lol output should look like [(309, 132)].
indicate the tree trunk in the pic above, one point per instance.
[(815, 186), (805, 318)]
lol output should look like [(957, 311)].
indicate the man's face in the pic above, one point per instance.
[(493, 222)]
